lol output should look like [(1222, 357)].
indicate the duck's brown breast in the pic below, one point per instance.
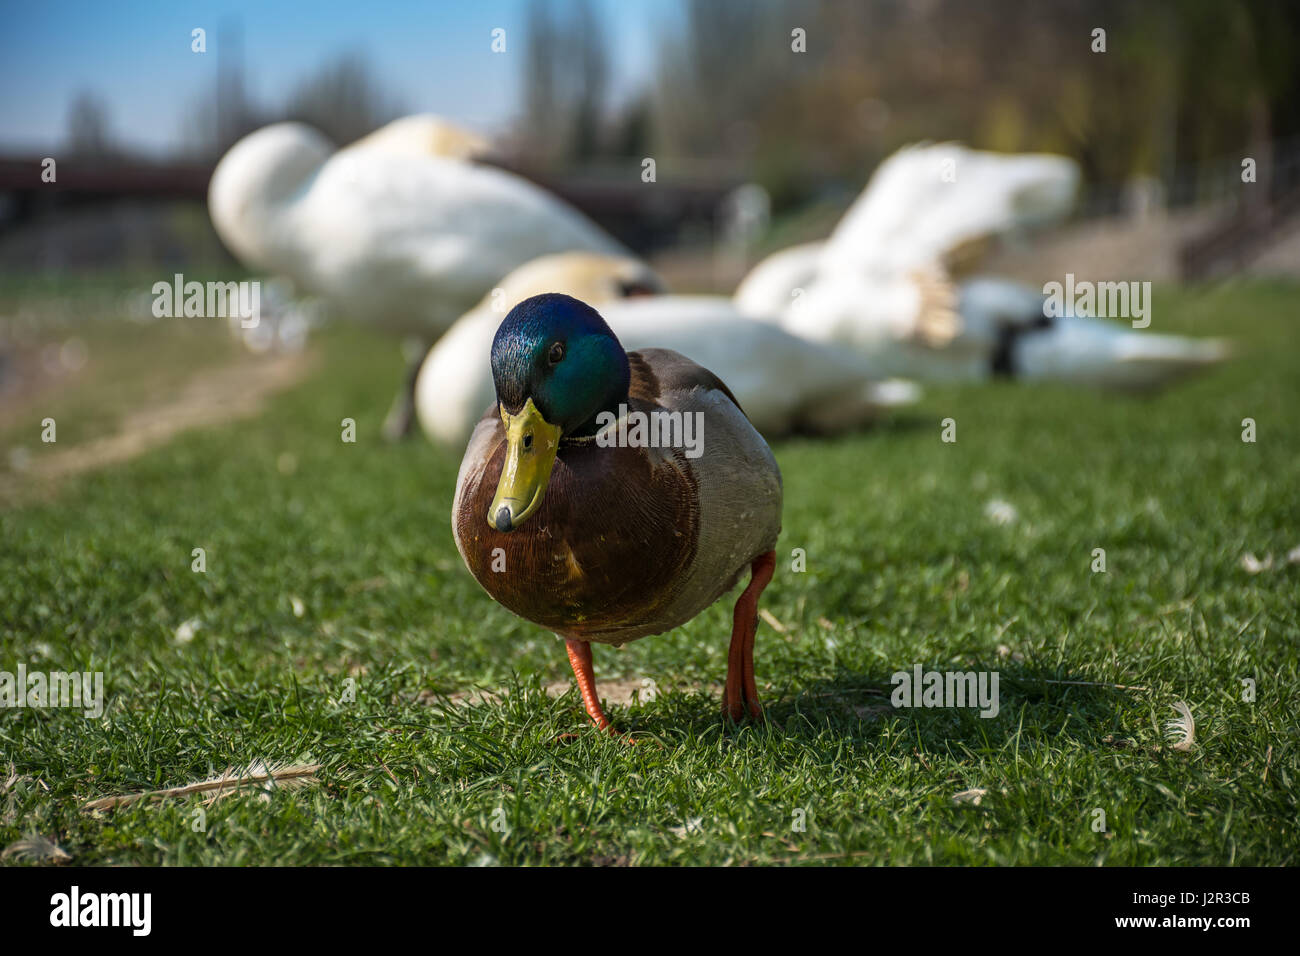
[(606, 551)]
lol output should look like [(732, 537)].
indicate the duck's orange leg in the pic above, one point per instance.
[(580, 660), (741, 694)]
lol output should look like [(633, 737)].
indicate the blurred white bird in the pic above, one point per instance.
[(384, 230), (425, 134), (987, 328), (776, 282), (884, 282), (942, 203), (782, 382), (926, 208)]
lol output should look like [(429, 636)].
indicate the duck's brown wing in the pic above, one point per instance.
[(656, 372)]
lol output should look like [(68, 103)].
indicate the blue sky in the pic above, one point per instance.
[(432, 55)]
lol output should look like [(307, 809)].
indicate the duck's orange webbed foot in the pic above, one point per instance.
[(741, 694), (580, 661)]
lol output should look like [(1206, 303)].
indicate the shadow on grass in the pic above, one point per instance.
[(858, 707)]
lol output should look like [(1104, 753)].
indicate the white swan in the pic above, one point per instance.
[(921, 325), (772, 286), (985, 328), (938, 203), (883, 283), (783, 382), (925, 208), (383, 231)]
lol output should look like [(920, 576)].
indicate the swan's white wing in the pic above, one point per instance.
[(924, 203), (399, 237)]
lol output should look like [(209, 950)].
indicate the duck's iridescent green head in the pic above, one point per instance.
[(556, 366), (559, 352)]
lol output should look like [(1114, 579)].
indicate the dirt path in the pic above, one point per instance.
[(212, 397)]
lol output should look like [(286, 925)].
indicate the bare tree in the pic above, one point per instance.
[(566, 74), (590, 73), (343, 100), (89, 134), (541, 100)]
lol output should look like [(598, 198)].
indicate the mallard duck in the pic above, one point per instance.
[(608, 543), (822, 389), (385, 232)]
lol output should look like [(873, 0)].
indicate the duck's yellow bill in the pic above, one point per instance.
[(531, 445)]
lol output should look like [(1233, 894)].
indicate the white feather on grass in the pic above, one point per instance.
[(257, 774), (691, 826), (1183, 727), (185, 633), (1001, 512), (1253, 565), (36, 848)]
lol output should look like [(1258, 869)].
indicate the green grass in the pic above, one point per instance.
[(901, 562)]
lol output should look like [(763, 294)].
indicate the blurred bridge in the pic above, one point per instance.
[(644, 217), (25, 196)]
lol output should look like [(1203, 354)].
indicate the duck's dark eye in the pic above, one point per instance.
[(556, 353)]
